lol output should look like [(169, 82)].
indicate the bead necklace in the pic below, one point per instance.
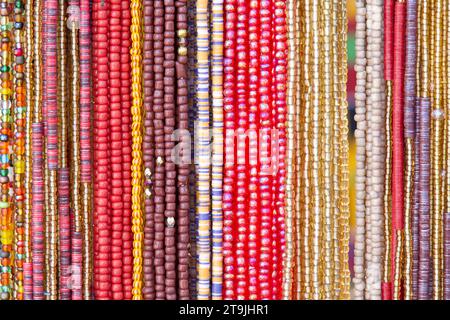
[(280, 100), (240, 214), (37, 182), (192, 89), (424, 291), (437, 116), (409, 128), (229, 269), (446, 98), (136, 166), (397, 145), (29, 90), (253, 124), (265, 111), (63, 171), (102, 232), (85, 143), (291, 153), (203, 168), (183, 168), (115, 125), (217, 28), (6, 135), (149, 150), (169, 165), (125, 93), (388, 77), (306, 165), (359, 279), (19, 161), (50, 113)]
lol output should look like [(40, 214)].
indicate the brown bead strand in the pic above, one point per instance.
[(159, 181), (149, 154), (169, 165), (183, 167)]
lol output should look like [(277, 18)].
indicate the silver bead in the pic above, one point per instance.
[(170, 222)]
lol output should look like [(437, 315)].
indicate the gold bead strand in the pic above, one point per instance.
[(344, 213), (136, 133), (288, 265), (327, 264), (307, 165)]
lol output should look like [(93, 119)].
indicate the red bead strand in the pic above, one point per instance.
[(125, 92), (241, 158), (253, 118), (115, 123), (280, 76), (229, 177), (102, 229)]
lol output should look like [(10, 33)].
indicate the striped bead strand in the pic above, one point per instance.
[(37, 181), (203, 205), (64, 223), (85, 143), (217, 28), (28, 267), (49, 104), (74, 145)]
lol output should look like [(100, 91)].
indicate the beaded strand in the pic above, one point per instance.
[(7, 230), (29, 91), (217, 27), (19, 150), (149, 151), (125, 93), (183, 167), (136, 132)]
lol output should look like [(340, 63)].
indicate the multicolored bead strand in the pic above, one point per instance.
[(217, 28), (85, 143), (37, 182), (27, 268), (7, 210), (19, 150), (65, 292), (203, 204)]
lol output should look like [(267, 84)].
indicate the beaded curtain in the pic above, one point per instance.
[(224, 149)]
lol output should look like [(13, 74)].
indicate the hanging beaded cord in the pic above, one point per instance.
[(136, 166), (19, 149), (7, 231), (102, 232)]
